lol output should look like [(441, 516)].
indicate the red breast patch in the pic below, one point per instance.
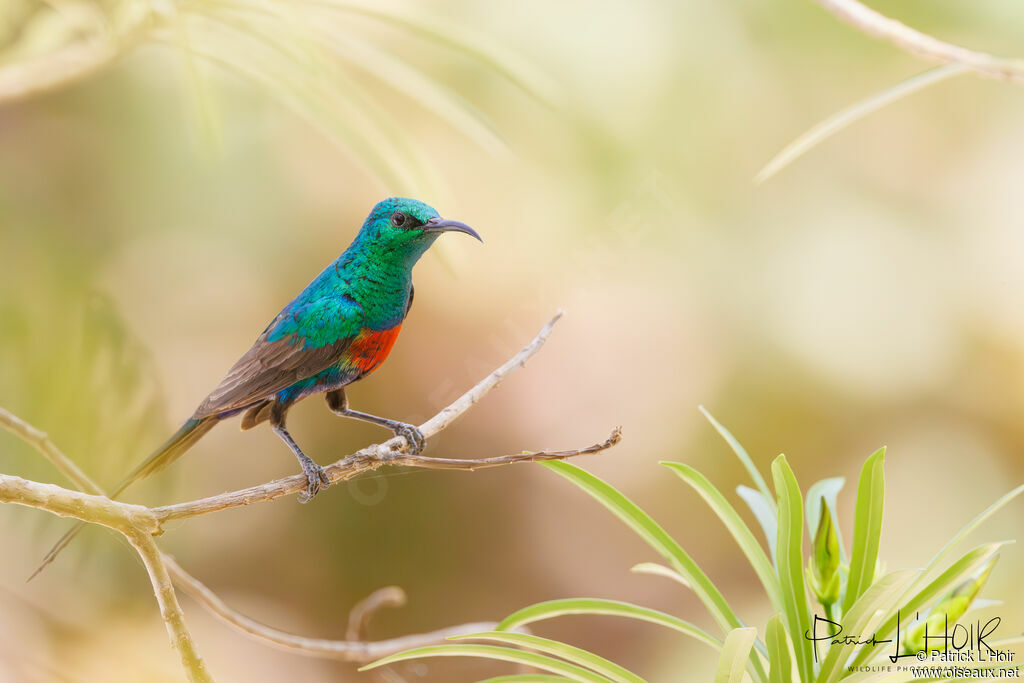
[(370, 348)]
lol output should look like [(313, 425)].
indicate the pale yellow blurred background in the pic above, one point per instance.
[(871, 294)]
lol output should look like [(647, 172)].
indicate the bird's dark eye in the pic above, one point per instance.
[(398, 219)]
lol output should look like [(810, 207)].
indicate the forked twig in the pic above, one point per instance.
[(920, 44), (366, 460), (954, 60), (140, 524)]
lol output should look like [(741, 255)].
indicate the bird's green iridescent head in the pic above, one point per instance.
[(403, 229)]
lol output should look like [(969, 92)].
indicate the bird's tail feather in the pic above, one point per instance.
[(173, 448)]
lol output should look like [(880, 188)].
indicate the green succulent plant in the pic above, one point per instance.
[(853, 589)]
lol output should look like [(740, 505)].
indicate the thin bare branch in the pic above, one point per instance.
[(954, 59), (389, 452), (366, 460), (499, 460), (40, 441), (463, 403), (921, 44), (345, 650), (83, 506), (139, 524), (157, 567), (855, 112)]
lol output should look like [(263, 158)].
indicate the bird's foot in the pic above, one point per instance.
[(412, 435), (316, 480)]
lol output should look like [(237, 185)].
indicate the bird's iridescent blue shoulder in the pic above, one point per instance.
[(321, 315)]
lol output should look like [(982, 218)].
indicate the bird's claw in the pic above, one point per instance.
[(316, 480), (412, 435)]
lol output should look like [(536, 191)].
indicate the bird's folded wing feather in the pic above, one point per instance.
[(300, 342)]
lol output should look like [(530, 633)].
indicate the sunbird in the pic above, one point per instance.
[(339, 329)]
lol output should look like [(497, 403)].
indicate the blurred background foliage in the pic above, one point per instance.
[(155, 214)]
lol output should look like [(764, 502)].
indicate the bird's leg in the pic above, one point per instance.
[(316, 478), (338, 403)]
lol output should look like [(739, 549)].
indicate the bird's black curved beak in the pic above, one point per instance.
[(445, 225)]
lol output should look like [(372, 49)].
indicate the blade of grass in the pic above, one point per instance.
[(867, 528), (740, 531), (790, 564), (596, 606), (300, 74), (402, 77), (609, 670), (780, 666), (735, 652), (493, 652), (204, 106), (764, 510), (316, 108), (426, 92), (852, 114), (741, 453), (487, 52), (968, 528), (640, 522)]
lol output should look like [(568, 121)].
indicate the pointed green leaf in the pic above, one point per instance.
[(735, 652), (969, 527), (493, 652), (597, 606), (780, 666), (638, 520), (949, 610), (765, 512), (968, 563), (790, 563), (740, 531), (656, 569), (609, 670), (741, 453), (867, 528)]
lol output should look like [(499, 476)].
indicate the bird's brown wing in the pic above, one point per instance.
[(267, 368)]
